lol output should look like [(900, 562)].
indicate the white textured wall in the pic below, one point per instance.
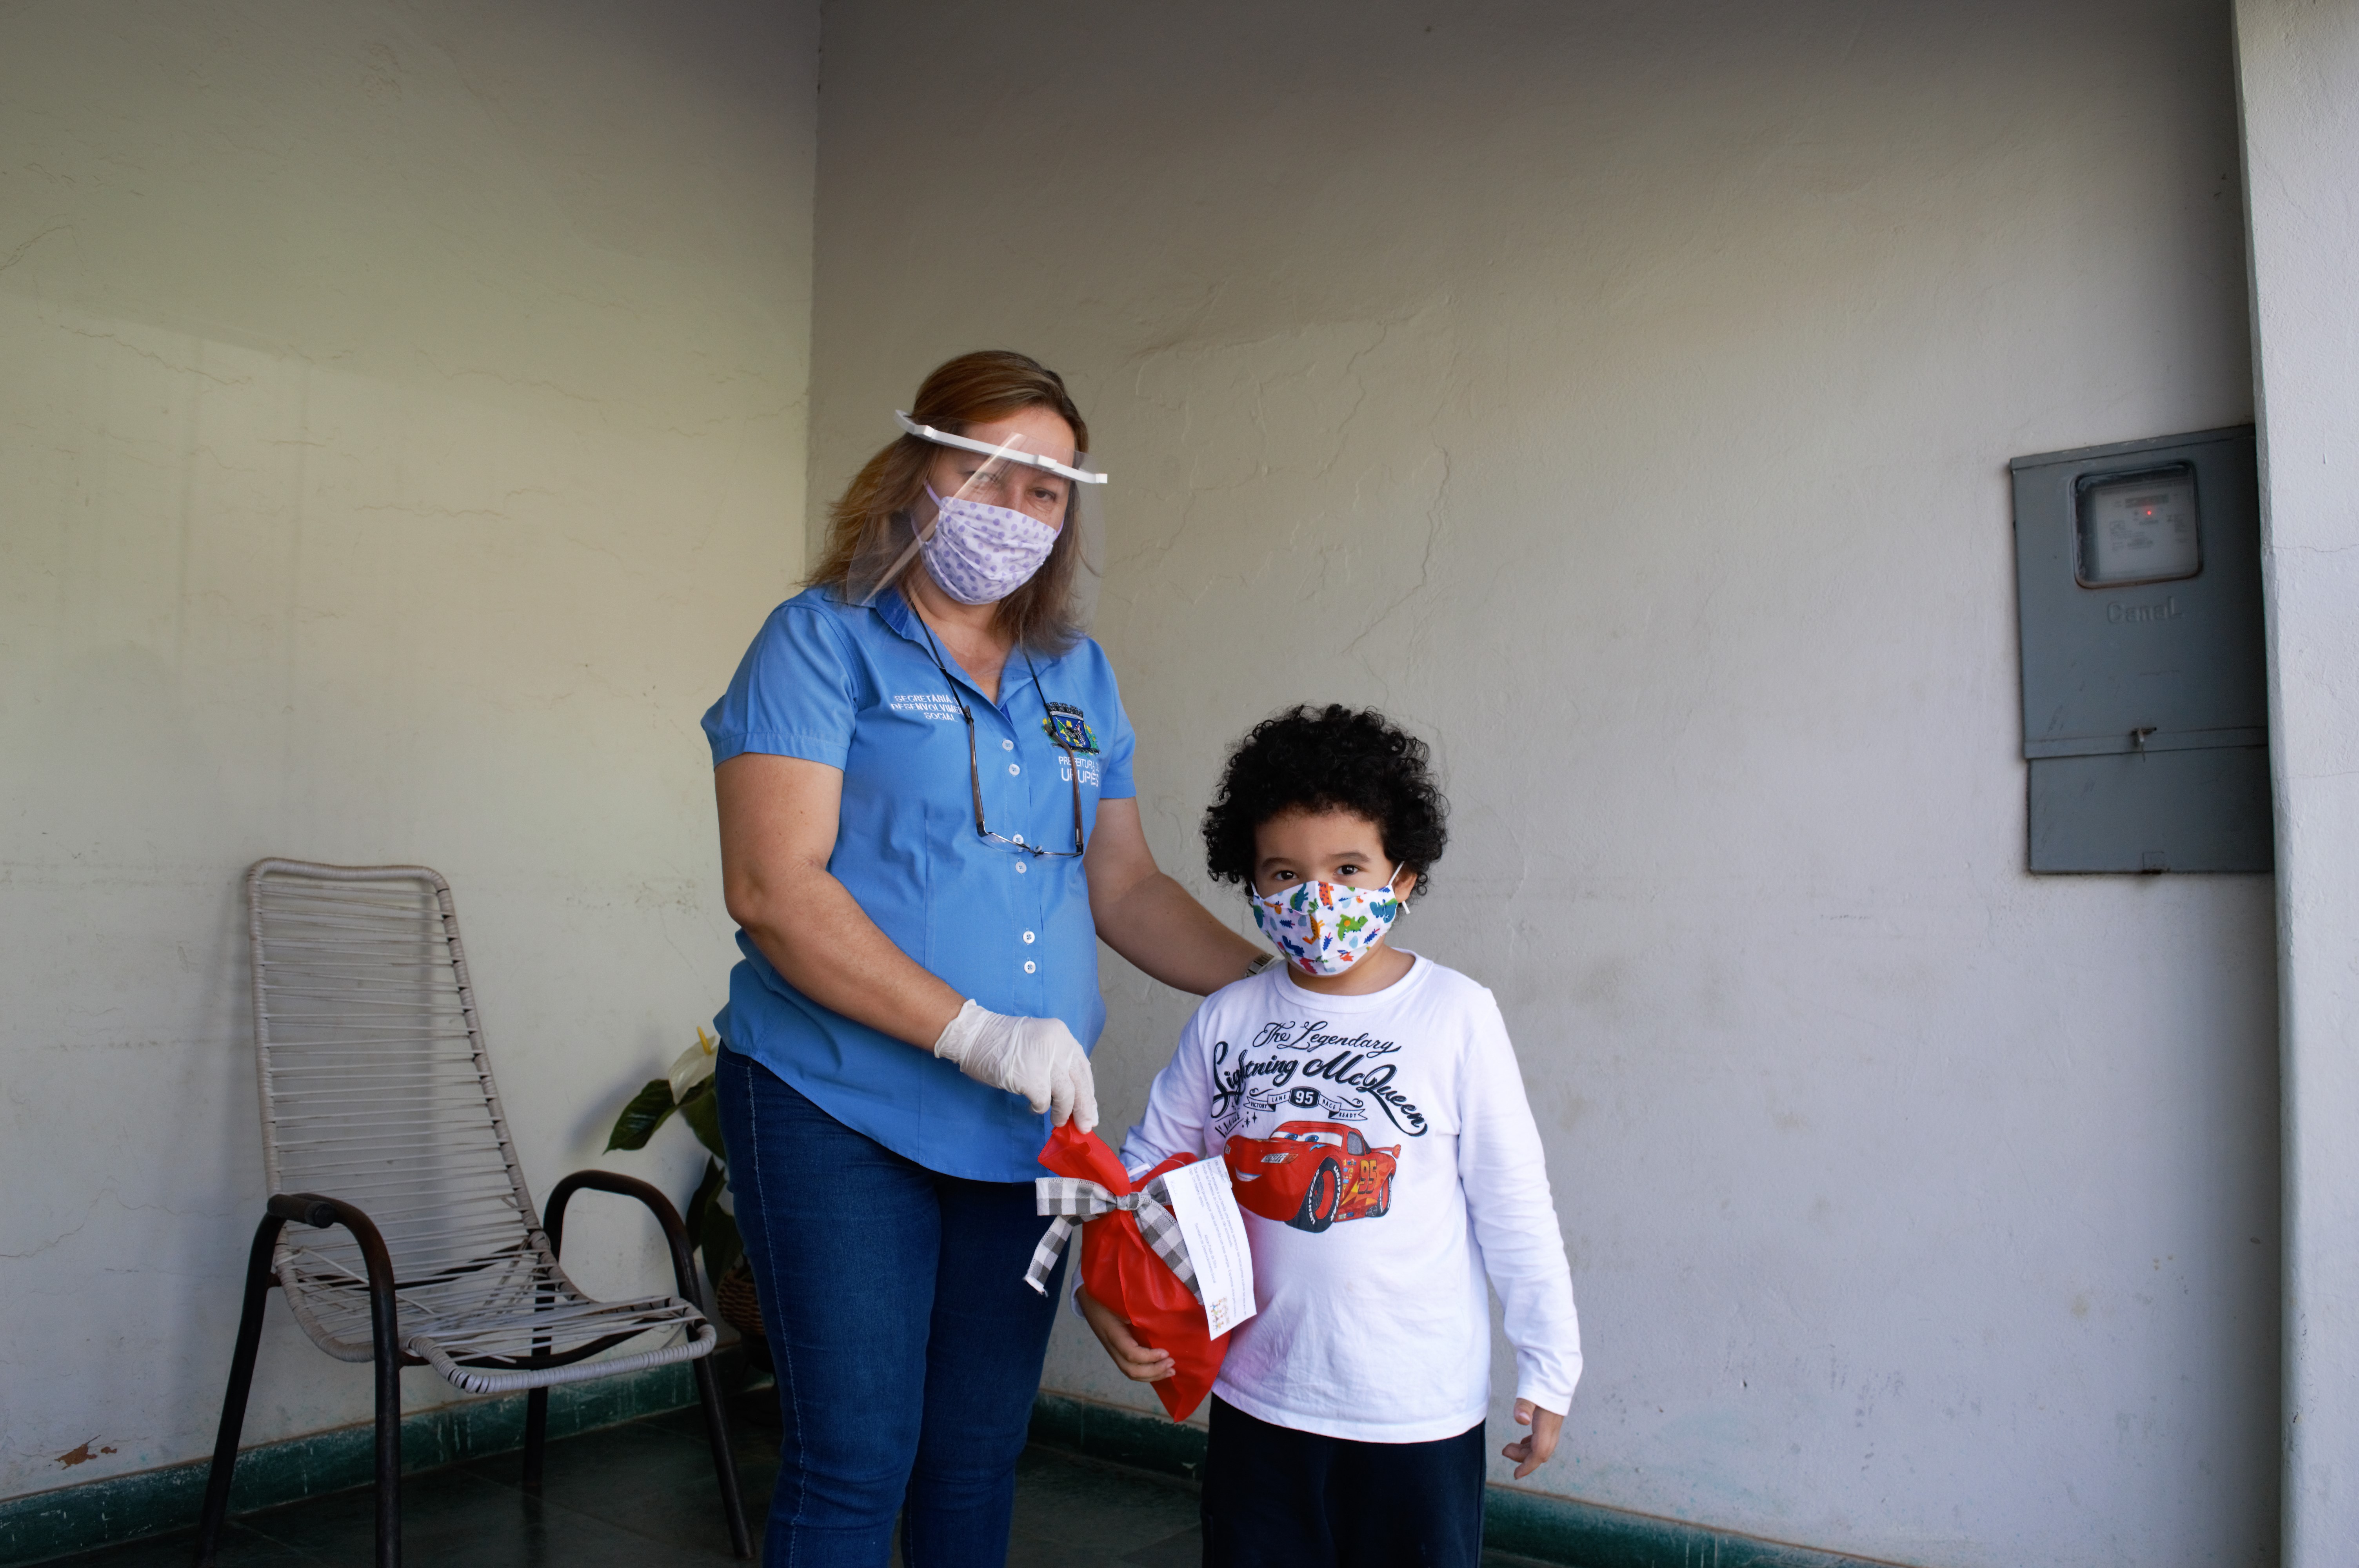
[(2299, 77), (402, 423), (1622, 396)]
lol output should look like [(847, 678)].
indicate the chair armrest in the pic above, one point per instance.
[(675, 1229), (304, 1209), (311, 1209)]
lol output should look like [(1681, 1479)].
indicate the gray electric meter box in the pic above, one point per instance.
[(2145, 691)]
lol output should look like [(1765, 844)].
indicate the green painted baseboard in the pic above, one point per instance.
[(1531, 1524), (1117, 1436), (43, 1525)]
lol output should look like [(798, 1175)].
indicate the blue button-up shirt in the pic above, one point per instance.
[(859, 690)]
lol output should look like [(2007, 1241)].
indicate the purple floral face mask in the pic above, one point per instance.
[(979, 553)]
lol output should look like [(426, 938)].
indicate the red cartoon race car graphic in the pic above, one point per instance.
[(1310, 1175)]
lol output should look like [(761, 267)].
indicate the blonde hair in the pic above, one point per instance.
[(870, 521)]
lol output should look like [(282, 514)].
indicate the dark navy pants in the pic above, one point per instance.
[(1284, 1498), (908, 1345)]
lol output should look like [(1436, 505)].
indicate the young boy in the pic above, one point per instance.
[(1367, 1104)]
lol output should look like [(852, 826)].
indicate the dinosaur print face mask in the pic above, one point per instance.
[(1327, 927)]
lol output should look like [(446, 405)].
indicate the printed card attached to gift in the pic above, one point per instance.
[(1206, 1208)]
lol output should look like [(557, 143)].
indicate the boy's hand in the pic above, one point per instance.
[(1528, 1453), (1138, 1363)]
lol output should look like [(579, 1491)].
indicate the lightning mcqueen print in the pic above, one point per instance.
[(1311, 1173)]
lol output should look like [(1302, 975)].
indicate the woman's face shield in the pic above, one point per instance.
[(1001, 481), (1015, 465)]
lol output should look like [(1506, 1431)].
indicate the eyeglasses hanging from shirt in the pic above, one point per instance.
[(974, 764)]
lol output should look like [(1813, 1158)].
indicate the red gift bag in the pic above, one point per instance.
[(1120, 1268)]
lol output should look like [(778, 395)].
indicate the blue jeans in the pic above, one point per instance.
[(908, 1345)]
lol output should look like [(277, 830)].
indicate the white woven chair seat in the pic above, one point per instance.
[(377, 1092), (504, 1308)]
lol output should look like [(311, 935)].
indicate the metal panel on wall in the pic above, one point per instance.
[(2144, 695), (2198, 810)]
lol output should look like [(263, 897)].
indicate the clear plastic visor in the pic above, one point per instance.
[(1014, 449)]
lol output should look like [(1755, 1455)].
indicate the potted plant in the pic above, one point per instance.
[(688, 1089)]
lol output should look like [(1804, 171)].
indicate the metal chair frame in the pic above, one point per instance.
[(469, 1283)]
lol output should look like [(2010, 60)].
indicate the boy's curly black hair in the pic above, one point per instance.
[(1328, 759)]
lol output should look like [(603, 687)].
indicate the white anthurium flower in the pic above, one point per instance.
[(695, 1065)]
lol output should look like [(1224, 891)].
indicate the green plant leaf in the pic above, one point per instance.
[(648, 1110), (702, 1110), (709, 1183), (710, 1229), (719, 1240)]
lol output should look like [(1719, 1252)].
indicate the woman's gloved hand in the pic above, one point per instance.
[(1036, 1057)]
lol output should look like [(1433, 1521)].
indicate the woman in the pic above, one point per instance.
[(928, 822)]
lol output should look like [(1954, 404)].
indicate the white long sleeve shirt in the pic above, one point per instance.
[(1386, 1158)]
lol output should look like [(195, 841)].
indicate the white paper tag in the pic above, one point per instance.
[(1215, 1233)]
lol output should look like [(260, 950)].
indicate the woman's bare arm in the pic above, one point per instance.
[(1150, 919), (779, 818)]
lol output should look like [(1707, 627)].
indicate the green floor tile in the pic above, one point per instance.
[(1064, 1501), (240, 1548), (643, 1494), (652, 1481), (1185, 1549)]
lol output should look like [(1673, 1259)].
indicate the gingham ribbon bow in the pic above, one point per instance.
[(1072, 1199)]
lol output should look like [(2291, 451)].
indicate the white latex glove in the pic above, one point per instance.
[(1036, 1057)]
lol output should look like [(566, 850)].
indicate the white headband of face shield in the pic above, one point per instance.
[(1010, 453)]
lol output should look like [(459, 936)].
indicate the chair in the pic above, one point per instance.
[(414, 1239)]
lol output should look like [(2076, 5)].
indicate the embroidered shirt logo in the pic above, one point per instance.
[(925, 705), (1067, 728)]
